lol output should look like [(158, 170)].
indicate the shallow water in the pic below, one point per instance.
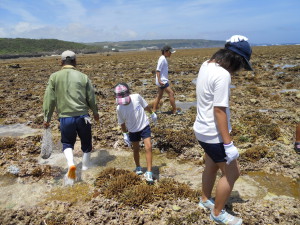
[(284, 66), (289, 90), (255, 185), (15, 194), (185, 105), (271, 110), (277, 184), (16, 130)]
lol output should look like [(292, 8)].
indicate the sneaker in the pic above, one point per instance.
[(226, 218), (208, 204), (148, 176), (72, 172), (297, 147), (138, 170), (178, 112)]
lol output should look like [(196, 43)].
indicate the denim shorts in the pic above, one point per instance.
[(215, 151), (165, 86), (136, 136), (70, 127)]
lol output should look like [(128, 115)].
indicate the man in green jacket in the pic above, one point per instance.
[(72, 94)]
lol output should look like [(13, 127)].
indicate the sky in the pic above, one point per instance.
[(262, 21)]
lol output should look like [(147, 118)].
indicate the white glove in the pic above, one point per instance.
[(231, 153), (154, 118), (237, 38), (126, 139), (87, 120)]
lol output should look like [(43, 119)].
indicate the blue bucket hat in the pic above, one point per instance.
[(240, 45)]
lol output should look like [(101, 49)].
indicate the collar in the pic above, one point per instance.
[(68, 67)]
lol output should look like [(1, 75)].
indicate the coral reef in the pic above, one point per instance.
[(265, 110)]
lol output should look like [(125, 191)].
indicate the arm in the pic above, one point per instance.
[(91, 99), (230, 150), (221, 118), (148, 109), (49, 103), (125, 135), (158, 78), (123, 127), (153, 115)]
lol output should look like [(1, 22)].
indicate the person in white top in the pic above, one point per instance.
[(162, 79), (212, 125), (135, 125)]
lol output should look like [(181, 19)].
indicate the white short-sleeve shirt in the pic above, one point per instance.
[(212, 89), (133, 114), (163, 68)]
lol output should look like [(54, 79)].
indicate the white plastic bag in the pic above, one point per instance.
[(47, 144)]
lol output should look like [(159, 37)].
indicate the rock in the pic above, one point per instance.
[(176, 208)]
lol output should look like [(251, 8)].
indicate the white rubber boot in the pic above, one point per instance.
[(69, 156), (70, 176), (86, 160)]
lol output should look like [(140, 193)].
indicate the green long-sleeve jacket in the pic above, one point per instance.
[(71, 92)]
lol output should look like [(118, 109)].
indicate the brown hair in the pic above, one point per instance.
[(229, 60)]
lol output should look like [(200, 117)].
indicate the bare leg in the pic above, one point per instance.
[(208, 177), (298, 133), (136, 152), (148, 148), (171, 98), (225, 185), (157, 99)]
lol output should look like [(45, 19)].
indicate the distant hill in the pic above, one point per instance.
[(16, 47), (23, 47)]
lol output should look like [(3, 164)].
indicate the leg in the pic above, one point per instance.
[(171, 98), (148, 148), (68, 137), (136, 152), (298, 133), (297, 142), (225, 185), (68, 132), (208, 177), (84, 131), (160, 93)]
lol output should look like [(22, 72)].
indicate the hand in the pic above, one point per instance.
[(126, 139), (237, 38), (46, 124), (231, 153), (154, 118), (161, 83), (96, 117), (87, 120)]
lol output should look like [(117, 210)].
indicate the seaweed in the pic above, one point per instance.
[(129, 189), (255, 153)]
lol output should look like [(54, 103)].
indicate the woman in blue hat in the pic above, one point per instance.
[(212, 125)]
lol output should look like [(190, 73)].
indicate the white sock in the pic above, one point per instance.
[(69, 156)]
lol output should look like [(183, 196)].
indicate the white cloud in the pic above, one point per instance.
[(115, 20), (24, 27)]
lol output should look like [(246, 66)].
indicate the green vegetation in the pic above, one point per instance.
[(17, 46)]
